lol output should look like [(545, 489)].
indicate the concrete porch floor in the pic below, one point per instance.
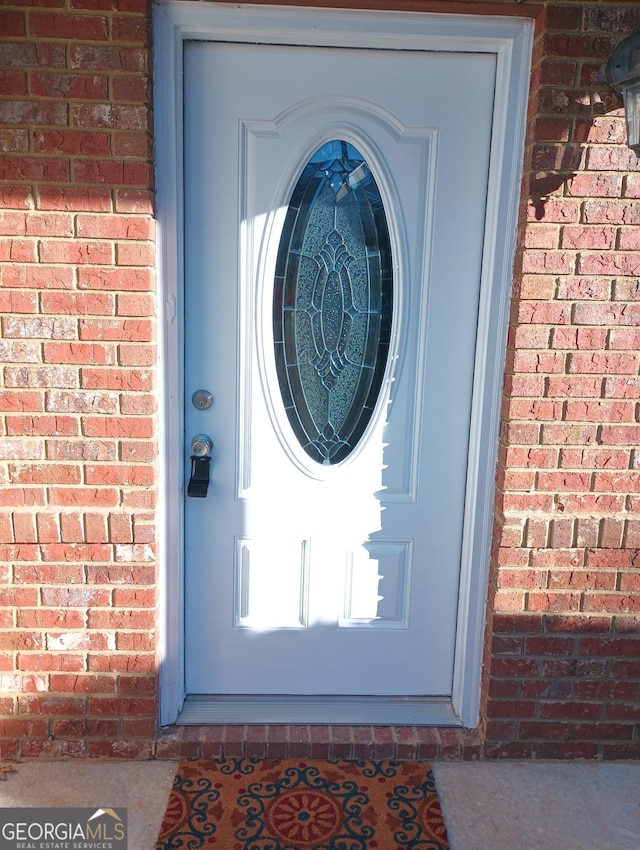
[(487, 805)]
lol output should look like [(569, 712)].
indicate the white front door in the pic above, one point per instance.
[(305, 577)]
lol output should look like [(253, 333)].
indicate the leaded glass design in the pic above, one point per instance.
[(332, 302)]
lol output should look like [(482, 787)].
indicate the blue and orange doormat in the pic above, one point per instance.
[(306, 804)]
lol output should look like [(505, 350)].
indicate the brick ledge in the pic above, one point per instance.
[(414, 743)]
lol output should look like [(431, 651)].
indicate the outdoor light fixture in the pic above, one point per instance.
[(623, 74)]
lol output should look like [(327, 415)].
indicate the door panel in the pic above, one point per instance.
[(302, 578)]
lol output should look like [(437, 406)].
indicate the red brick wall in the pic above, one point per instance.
[(78, 421), (77, 305), (562, 656)]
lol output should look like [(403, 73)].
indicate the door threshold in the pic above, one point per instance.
[(205, 709)]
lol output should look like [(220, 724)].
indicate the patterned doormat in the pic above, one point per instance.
[(251, 804)]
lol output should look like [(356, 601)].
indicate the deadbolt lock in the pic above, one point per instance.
[(202, 399)]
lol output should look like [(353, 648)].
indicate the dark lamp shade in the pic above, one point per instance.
[(632, 115)]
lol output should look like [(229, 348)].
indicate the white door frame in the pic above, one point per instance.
[(175, 22)]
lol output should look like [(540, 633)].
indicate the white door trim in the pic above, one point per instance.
[(511, 40)]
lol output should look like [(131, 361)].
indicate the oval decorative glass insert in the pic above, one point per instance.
[(332, 302)]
